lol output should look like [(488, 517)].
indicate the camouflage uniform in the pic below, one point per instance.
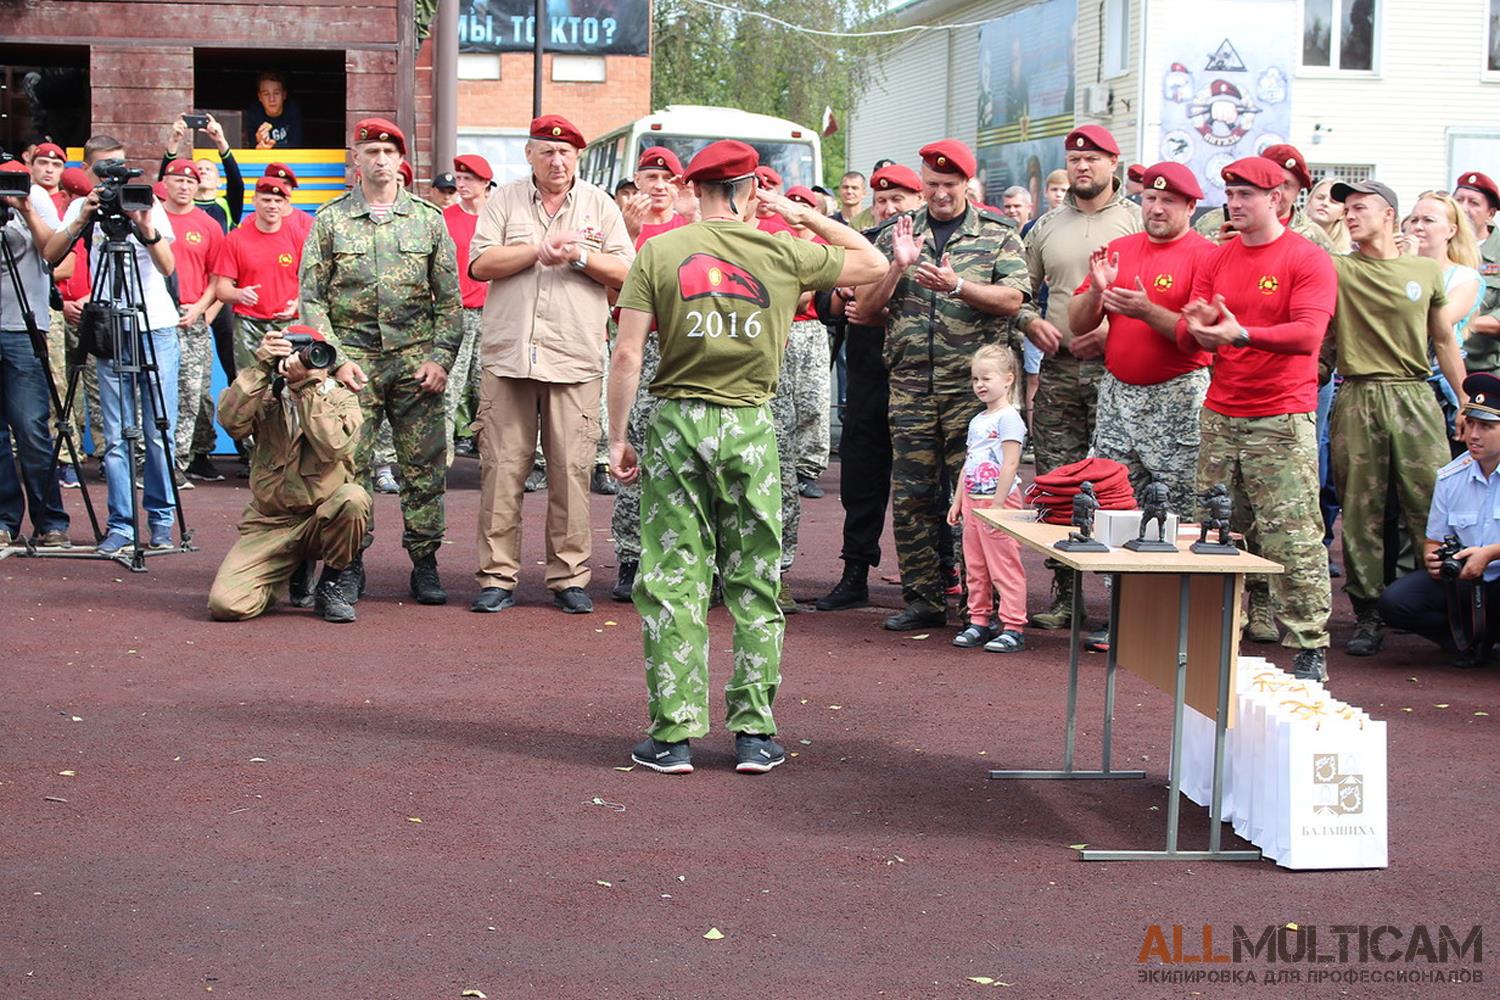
[(463, 382), (805, 378), (385, 446), (784, 416), (387, 292), (1153, 431), (195, 425), (59, 335), (625, 519), (1482, 353), (1270, 465), (304, 502), (1213, 220), (930, 342)]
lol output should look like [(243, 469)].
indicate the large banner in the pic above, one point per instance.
[(1025, 97), (1218, 83), (617, 27)]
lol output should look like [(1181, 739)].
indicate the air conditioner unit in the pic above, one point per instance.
[(1096, 99)]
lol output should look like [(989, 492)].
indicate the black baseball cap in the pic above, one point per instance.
[(445, 182), (1343, 189), (884, 161), (625, 185)]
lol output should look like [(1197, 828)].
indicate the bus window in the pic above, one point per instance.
[(792, 160)]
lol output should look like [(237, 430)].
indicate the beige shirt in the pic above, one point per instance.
[(1058, 249), (547, 323)]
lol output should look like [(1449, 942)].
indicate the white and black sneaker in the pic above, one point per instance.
[(668, 758), (757, 754)]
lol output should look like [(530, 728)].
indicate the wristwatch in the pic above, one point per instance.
[(1243, 339), (582, 261), (958, 288)]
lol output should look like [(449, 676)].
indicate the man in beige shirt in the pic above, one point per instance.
[(551, 246)]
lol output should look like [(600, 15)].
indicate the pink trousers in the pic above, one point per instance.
[(992, 560)]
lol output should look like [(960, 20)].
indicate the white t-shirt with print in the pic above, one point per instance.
[(988, 433)]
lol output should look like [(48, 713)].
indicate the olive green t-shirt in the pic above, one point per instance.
[(723, 294), (1379, 326)]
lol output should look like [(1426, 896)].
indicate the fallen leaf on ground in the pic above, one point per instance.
[(1406, 710), (924, 635), (52, 798), (257, 760), (1480, 714), (981, 980), (474, 993), (413, 819), (714, 934), (607, 885), (1077, 847), (1443, 705), (630, 768), (73, 774), (1292, 927), (611, 623)]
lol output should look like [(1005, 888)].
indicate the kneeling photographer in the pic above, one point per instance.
[(305, 504), (1456, 603)]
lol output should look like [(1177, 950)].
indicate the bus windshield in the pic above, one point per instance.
[(792, 160)]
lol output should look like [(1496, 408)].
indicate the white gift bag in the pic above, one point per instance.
[(1337, 805), (1197, 756)]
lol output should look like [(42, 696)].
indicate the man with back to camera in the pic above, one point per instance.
[(723, 295), (305, 504), (1463, 506)]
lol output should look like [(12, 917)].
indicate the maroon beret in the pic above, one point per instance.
[(282, 171), (896, 176), (804, 195), (1092, 137), (1290, 159), (556, 128), (1257, 171), (1172, 176), (767, 177), (1474, 180), (474, 164), (408, 177), (76, 181), (273, 185), (725, 160), (181, 168), (949, 156), (1135, 172), (380, 130), (50, 149), (659, 158)]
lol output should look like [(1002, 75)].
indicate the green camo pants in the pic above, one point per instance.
[(710, 495), (1381, 431), (1270, 465)]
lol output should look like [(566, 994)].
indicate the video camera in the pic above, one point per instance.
[(14, 184), (1449, 567), (117, 196), (309, 351)]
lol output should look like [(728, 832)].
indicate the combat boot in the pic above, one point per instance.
[(301, 595), (1260, 623), (425, 585), (1368, 636), (329, 601), (624, 580), (784, 599), (1060, 614), (352, 580), (852, 590)]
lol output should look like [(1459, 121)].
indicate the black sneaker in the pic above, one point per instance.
[(352, 579), (756, 754), (624, 580), (1311, 665), (573, 600), (492, 599), (852, 590), (329, 599), (202, 469), (602, 482), (809, 488), (668, 758)]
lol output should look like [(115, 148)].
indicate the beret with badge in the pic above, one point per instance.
[(949, 156), (556, 128), (379, 130)]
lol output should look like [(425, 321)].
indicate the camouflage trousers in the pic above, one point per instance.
[(385, 445), (806, 377), (59, 337), (784, 416), (417, 432), (1380, 432), (270, 548), (463, 383), (625, 519), (710, 500), (1152, 430), (248, 333), (195, 424), (928, 439), (1065, 410), (1270, 465)]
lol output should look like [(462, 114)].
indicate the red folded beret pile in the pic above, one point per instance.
[(1052, 493)]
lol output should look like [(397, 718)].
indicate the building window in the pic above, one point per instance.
[(1343, 171), (1492, 38), (1339, 34), (1117, 37)]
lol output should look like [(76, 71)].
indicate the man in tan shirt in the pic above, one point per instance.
[(551, 246)]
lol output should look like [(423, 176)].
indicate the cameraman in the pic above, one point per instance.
[(151, 240), (28, 224), (1466, 504), (304, 501)]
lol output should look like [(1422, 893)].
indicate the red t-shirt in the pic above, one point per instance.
[(300, 222), (269, 260), (61, 199), (810, 312), (650, 229), (1134, 352), (774, 224), (461, 226), (195, 248), (1283, 292), (81, 284)]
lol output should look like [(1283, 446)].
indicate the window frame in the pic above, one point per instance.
[(1487, 75), (1110, 71), (1335, 43)]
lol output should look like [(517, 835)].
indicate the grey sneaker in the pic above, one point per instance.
[(668, 758), (757, 754), (1311, 665), (385, 481)]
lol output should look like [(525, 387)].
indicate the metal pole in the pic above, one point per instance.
[(444, 85), (1179, 697), (536, 58)]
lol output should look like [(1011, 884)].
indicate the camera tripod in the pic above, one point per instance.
[(115, 329)]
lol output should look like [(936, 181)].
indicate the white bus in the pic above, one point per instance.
[(794, 151)]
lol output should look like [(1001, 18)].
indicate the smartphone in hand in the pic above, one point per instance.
[(195, 121)]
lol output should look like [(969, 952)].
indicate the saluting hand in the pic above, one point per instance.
[(623, 464), (1127, 301), (905, 250), (939, 277)]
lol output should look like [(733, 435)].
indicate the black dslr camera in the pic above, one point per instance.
[(1449, 567), (310, 352), (117, 195)]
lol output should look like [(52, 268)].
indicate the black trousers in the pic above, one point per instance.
[(1418, 603), (865, 446)]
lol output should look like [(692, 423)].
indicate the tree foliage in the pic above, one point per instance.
[(702, 55)]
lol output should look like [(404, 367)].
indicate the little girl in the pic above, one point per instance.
[(992, 558)]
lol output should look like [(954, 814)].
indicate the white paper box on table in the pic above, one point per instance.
[(1116, 527), (1337, 807)]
